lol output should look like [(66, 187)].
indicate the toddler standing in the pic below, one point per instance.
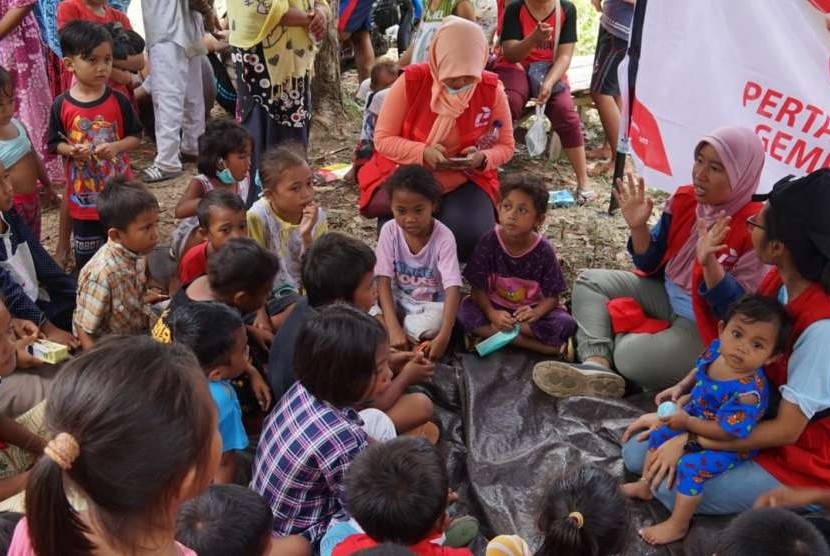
[(94, 128), (417, 266), (515, 276), (285, 220), (20, 160), (384, 73), (721, 399)]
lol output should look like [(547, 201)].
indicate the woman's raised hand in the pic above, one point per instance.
[(710, 241), (635, 206)]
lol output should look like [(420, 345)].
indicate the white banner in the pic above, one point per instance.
[(762, 64)]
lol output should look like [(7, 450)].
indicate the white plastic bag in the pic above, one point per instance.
[(536, 138)]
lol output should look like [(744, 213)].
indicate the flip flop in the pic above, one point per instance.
[(585, 196), (461, 531), (562, 380)]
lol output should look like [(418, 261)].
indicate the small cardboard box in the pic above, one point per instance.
[(49, 352)]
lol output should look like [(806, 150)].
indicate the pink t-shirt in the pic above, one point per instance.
[(22, 546), (423, 276)]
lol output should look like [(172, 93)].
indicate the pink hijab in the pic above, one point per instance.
[(459, 48), (742, 155)]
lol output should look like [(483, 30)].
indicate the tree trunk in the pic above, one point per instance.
[(326, 95)]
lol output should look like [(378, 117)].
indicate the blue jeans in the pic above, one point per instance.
[(729, 493)]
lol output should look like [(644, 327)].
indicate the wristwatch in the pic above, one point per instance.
[(692, 446)]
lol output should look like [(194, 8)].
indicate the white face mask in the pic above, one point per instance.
[(459, 90)]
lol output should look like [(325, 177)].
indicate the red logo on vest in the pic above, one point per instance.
[(483, 117)]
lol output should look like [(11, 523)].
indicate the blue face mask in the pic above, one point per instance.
[(225, 176), (459, 90)]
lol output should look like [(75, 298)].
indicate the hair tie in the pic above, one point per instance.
[(580, 521), (63, 450)]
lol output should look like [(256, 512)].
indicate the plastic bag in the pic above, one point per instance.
[(536, 138)]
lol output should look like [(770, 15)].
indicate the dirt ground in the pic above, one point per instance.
[(583, 237)]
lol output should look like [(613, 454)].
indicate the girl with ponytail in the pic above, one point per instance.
[(133, 435), (583, 513)]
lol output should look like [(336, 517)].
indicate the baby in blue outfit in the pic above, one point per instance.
[(721, 399)]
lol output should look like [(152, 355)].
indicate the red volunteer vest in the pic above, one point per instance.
[(472, 124), (738, 241), (806, 463)]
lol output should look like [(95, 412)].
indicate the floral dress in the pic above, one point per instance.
[(22, 54)]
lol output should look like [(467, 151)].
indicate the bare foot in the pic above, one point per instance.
[(598, 153), (637, 489), (602, 169), (664, 533)]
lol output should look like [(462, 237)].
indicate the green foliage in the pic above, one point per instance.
[(587, 22)]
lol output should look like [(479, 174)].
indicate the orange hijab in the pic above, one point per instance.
[(458, 49)]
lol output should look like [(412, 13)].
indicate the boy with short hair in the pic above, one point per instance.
[(226, 519), (93, 128), (112, 287), (397, 491), (221, 216)]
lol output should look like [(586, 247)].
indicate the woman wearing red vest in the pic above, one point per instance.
[(451, 116), (793, 234), (684, 273)]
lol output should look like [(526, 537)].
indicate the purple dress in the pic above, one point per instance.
[(513, 281), (22, 54)]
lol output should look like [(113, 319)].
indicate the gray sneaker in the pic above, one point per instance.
[(567, 379)]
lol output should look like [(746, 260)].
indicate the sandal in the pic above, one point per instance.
[(153, 174), (562, 380)]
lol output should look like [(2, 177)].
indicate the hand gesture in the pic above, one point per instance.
[(307, 222), (669, 394), (635, 206), (419, 369), (435, 156), (525, 314), (437, 347), (710, 242), (541, 33), (106, 151), (81, 152), (544, 93), (317, 23), (259, 387), (476, 158), (663, 463), (790, 497), (502, 320), (26, 360), (649, 422)]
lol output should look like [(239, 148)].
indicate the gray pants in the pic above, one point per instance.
[(653, 361)]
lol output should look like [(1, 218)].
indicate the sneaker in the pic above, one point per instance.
[(461, 531), (153, 174), (562, 380)]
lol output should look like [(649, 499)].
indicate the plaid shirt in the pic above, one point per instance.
[(111, 291), (305, 448)]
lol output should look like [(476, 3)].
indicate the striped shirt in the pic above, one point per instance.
[(305, 448)]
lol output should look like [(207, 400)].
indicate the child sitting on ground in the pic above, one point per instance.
[(224, 163), (721, 399), (285, 220), (515, 276), (112, 288), (23, 164), (397, 492), (384, 73), (314, 432), (107, 411), (93, 128), (34, 287), (239, 275), (583, 512), (417, 268), (233, 519), (221, 216), (216, 335), (340, 269)]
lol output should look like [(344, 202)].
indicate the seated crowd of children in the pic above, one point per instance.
[(272, 325)]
